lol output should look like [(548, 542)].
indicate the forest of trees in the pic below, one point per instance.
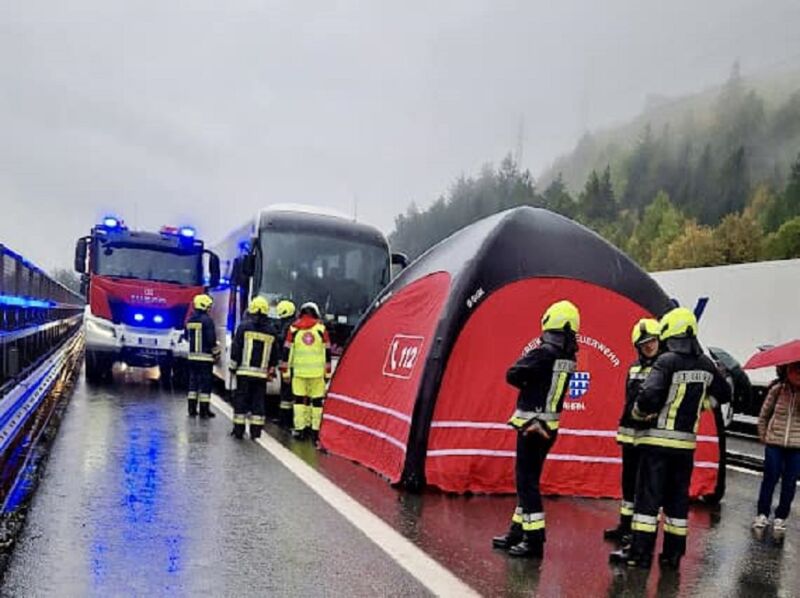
[(714, 194)]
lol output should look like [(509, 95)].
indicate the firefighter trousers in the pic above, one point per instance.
[(529, 514), (200, 381), (249, 401), (663, 482), (630, 470), (309, 394), (286, 404)]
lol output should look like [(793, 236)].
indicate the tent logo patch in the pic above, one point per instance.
[(403, 354), (579, 385)]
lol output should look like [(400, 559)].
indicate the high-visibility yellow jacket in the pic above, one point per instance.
[(307, 350)]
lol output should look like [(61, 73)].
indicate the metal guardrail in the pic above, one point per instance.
[(37, 314)]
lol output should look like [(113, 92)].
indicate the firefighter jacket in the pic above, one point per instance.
[(673, 396), (202, 337), (255, 349), (542, 377), (637, 374), (307, 349)]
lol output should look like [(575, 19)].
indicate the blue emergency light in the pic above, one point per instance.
[(187, 231), (110, 222)]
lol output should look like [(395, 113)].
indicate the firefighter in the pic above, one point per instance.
[(254, 355), (203, 352), (670, 401), (286, 310), (307, 362), (542, 377), (645, 339)]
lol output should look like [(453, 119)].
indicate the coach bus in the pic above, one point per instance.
[(301, 254)]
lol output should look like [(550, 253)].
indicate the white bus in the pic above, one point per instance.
[(301, 254)]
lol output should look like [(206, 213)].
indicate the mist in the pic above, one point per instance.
[(202, 112)]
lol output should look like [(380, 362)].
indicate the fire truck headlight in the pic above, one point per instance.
[(138, 317), (158, 319)]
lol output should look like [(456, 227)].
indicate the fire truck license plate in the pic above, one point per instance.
[(148, 342)]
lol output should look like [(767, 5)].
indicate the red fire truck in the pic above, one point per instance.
[(139, 288)]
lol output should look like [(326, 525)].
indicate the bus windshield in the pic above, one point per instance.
[(145, 263), (342, 276)]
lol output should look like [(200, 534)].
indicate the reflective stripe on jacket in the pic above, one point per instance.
[(628, 426), (202, 337), (254, 349), (542, 377), (675, 392)]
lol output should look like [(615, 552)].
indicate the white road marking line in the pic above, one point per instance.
[(422, 567), (742, 470)]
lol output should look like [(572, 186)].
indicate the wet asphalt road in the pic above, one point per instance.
[(140, 500)]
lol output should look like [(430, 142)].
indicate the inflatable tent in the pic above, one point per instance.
[(420, 395)]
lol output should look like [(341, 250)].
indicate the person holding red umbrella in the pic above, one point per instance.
[(779, 430)]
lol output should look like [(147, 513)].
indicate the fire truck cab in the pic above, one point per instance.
[(139, 288)]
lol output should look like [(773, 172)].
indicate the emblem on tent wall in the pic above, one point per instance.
[(579, 385), (403, 354)]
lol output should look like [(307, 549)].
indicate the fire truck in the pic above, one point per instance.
[(139, 288)]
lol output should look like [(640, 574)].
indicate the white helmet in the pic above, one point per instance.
[(310, 307)]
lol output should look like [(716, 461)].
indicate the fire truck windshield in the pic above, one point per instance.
[(147, 263), (342, 276)]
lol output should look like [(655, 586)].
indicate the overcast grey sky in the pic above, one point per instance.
[(202, 111)]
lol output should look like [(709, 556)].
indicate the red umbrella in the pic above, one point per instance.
[(780, 355)]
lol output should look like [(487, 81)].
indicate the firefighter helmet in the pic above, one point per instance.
[(286, 309), (258, 305), (645, 330), (310, 308), (202, 302), (562, 315), (680, 322)]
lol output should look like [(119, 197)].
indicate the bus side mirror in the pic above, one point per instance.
[(248, 267), (213, 269), (80, 255), (243, 269), (400, 259)]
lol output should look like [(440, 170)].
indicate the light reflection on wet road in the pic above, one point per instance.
[(140, 500)]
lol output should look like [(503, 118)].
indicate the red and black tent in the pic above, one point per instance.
[(420, 395)]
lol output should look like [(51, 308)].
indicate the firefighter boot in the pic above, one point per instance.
[(192, 407), (531, 546), (511, 538), (620, 534), (238, 426), (205, 406), (286, 415)]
